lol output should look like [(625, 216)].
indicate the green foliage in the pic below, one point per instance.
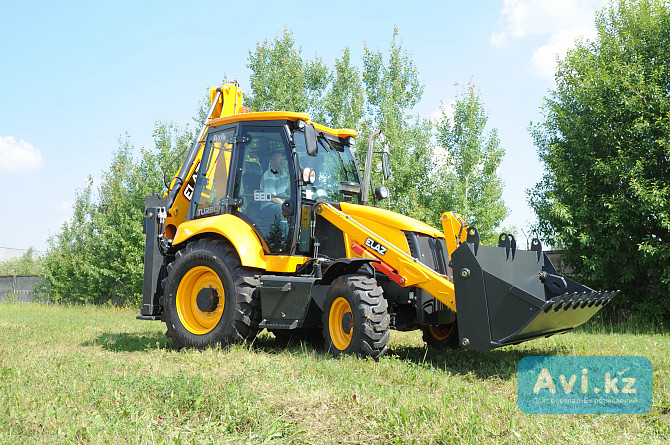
[(467, 178), (343, 103), (605, 196), (382, 97), (281, 80), (392, 90), (98, 255), (27, 264)]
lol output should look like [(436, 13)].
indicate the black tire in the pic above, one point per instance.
[(191, 314), (442, 336), (356, 318)]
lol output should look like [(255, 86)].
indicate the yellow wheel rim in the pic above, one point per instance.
[(194, 319), (441, 333), (340, 313)]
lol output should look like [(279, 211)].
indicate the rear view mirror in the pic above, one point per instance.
[(310, 140), (350, 188), (386, 165)]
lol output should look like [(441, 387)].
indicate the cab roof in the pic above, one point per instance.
[(280, 115)]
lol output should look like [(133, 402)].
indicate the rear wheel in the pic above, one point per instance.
[(442, 336), (355, 317), (209, 296)]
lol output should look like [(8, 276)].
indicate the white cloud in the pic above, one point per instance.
[(556, 25), (18, 156), (543, 62)]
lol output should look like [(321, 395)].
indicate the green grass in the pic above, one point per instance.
[(97, 375)]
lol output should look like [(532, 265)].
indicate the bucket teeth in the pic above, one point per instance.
[(588, 299), (579, 300), (561, 301), (572, 300)]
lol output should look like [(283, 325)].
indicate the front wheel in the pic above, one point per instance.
[(442, 336), (355, 317), (209, 297)]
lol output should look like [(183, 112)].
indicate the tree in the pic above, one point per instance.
[(466, 179), (282, 81), (27, 264), (98, 255), (383, 99), (605, 143), (392, 89), (344, 101)]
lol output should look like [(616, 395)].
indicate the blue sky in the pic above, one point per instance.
[(76, 76)]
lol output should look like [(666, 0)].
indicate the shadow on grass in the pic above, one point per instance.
[(277, 345), (136, 342), (130, 342), (500, 363), (484, 365)]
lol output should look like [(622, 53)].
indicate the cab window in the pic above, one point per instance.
[(212, 182), (333, 164)]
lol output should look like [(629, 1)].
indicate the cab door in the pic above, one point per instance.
[(265, 184)]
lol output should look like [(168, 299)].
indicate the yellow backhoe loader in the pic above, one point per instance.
[(268, 225)]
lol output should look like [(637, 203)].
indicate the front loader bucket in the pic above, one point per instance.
[(506, 296)]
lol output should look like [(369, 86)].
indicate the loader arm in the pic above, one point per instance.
[(398, 265), (501, 295)]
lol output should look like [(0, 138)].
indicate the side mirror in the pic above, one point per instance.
[(310, 140), (349, 188), (386, 165)]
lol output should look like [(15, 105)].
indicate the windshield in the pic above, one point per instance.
[(333, 164)]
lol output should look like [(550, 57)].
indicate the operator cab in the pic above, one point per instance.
[(253, 169)]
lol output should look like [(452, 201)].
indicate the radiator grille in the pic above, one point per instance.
[(430, 251)]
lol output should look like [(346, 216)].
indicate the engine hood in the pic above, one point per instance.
[(375, 215)]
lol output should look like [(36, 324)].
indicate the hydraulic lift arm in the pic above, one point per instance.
[(398, 265)]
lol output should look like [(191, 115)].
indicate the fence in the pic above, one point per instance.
[(22, 289)]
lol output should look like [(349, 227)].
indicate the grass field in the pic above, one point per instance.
[(97, 375)]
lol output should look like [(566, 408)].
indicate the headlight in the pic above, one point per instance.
[(308, 175), (381, 192)]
